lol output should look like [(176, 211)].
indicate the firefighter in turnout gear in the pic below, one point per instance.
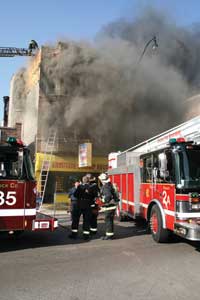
[(73, 204), (108, 197), (33, 45), (94, 191), (84, 200)]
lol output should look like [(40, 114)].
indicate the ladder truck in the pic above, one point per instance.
[(18, 210), (159, 180), (13, 51)]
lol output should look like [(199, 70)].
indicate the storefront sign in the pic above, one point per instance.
[(85, 155), (70, 164)]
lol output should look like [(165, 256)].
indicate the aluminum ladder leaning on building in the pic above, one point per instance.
[(44, 172)]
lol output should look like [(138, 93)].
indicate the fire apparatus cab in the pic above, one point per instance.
[(18, 191), (159, 180)]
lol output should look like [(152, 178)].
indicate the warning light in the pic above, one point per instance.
[(172, 141), (20, 143), (15, 142), (178, 140), (194, 197), (11, 140)]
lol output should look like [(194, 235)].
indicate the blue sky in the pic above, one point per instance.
[(48, 20)]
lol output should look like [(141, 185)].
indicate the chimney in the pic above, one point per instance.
[(6, 109)]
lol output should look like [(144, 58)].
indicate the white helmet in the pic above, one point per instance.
[(104, 177)]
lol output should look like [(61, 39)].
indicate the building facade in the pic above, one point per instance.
[(35, 101)]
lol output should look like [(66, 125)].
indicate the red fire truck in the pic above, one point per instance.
[(159, 180), (18, 191)]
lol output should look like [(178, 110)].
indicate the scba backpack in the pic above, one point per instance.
[(115, 192)]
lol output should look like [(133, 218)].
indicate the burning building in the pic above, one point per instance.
[(38, 100)]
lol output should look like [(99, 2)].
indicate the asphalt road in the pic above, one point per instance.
[(50, 266)]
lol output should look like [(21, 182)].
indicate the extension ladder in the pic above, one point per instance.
[(46, 163)]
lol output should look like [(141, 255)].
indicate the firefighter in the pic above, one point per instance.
[(33, 45), (73, 204), (108, 197), (94, 191), (83, 208)]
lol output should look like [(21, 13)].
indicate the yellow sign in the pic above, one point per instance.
[(70, 164)]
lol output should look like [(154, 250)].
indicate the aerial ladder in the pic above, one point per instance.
[(13, 51)]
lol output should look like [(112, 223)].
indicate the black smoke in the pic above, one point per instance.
[(109, 94)]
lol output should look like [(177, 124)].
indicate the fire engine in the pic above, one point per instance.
[(159, 180), (18, 191)]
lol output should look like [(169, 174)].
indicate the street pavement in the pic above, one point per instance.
[(63, 215), (45, 265)]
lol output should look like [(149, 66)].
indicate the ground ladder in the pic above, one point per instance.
[(46, 163)]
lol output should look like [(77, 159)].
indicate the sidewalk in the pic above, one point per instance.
[(60, 212)]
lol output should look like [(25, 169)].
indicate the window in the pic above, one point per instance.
[(60, 187), (9, 166), (188, 166), (166, 171), (158, 167), (15, 164), (147, 169)]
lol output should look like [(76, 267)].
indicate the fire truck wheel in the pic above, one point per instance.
[(18, 233), (159, 234)]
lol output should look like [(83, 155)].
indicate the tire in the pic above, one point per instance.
[(159, 234), (18, 233)]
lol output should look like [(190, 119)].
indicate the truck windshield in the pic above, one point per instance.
[(15, 164), (29, 166), (10, 166), (188, 164)]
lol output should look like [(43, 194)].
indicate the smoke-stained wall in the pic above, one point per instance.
[(17, 98), (30, 119), (24, 99)]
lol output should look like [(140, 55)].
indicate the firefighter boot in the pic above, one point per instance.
[(106, 237), (93, 231), (86, 237), (73, 235)]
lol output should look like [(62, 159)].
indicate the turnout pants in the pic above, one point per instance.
[(76, 213), (109, 222), (93, 219)]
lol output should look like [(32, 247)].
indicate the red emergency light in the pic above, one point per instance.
[(181, 140)]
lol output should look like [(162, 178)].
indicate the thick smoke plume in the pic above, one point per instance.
[(108, 94)]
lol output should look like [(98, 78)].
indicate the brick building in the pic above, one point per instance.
[(5, 132)]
